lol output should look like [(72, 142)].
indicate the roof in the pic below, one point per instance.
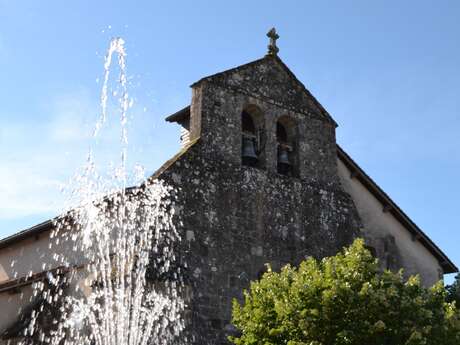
[(48, 225), (35, 230), (388, 204), (391, 207), (180, 115)]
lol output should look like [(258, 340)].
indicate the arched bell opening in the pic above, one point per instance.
[(286, 138), (252, 137)]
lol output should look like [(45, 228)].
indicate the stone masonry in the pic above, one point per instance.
[(236, 218)]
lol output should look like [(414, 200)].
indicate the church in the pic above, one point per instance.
[(260, 179)]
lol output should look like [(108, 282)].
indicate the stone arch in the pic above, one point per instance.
[(287, 143), (253, 136)]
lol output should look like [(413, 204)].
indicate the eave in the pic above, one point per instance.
[(388, 205)]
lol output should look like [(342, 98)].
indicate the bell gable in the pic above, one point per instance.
[(271, 80)]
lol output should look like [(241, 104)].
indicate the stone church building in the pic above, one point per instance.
[(261, 179)]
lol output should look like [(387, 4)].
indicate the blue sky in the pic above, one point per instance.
[(387, 71)]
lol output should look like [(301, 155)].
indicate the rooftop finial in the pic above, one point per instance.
[(272, 48)]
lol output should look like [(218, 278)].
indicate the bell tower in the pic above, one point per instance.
[(257, 183), (259, 114)]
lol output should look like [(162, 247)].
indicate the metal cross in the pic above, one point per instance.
[(272, 48)]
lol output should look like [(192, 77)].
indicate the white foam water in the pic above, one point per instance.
[(114, 277)]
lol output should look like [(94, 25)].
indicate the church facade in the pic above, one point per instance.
[(260, 179)]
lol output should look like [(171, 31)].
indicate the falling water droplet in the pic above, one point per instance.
[(111, 292)]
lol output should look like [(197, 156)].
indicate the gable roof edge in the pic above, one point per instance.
[(293, 76), (233, 69), (278, 60), (446, 264)]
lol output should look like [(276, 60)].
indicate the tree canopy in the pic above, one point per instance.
[(344, 299)]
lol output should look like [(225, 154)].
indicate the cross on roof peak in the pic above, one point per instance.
[(272, 48)]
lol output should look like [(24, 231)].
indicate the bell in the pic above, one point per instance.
[(284, 164), (248, 152)]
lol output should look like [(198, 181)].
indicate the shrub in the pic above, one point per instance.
[(344, 299)]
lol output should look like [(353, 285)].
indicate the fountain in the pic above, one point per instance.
[(114, 278)]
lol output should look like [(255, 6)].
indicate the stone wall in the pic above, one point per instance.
[(394, 245), (221, 133), (236, 218)]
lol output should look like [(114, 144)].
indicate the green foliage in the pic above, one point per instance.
[(453, 291), (344, 300)]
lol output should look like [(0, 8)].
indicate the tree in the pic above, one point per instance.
[(341, 300), (453, 291)]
